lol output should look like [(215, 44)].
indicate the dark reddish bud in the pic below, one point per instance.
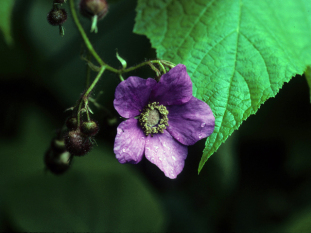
[(77, 143), (89, 128), (57, 159), (56, 162), (57, 17), (89, 8), (72, 123)]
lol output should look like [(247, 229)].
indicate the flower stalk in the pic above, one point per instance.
[(84, 98)]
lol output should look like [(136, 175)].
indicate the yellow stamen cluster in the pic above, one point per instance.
[(162, 122)]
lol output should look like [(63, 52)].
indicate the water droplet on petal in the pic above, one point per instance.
[(160, 158), (200, 136), (202, 125), (174, 158), (123, 150), (119, 131)]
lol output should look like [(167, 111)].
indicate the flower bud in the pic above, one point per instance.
[(57, 163), (57, 159), (72, 123), (77, 143), (57, 17), (89, 128), (90, 8)]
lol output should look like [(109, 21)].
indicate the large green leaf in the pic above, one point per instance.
[(6, 7), (238, 53)]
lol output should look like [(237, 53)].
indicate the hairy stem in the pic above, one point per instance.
[(88, 91), (84, 98), (159, 62), (88, 71)]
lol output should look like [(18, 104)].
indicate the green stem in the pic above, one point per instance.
[(121, 78), (139, 65), (88, 71), (154, 69), (162, 67), (94, 24), (86, 39), (94, 82), (78, 112), (84, 98), (88, 114)]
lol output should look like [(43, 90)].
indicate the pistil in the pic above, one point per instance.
[(153, 118)]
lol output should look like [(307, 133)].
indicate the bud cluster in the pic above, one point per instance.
[(77, 140), (79, 137)]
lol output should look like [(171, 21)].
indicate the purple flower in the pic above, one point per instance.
[(164, 118)]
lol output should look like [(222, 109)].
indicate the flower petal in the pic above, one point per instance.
[(132, 95), (167, 153), (190, 122), (129, 144), (174, 87)]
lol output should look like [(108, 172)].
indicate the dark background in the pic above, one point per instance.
[(258, 181)]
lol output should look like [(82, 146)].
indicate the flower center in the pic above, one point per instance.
[(153, 118)]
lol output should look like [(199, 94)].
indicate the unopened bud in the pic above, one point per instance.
[(72, 123), (77, 143), (89, 128), (89, 8), (57, 17)]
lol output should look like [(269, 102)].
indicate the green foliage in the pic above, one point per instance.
[(238, 53), (96, 194), (6, 7)]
